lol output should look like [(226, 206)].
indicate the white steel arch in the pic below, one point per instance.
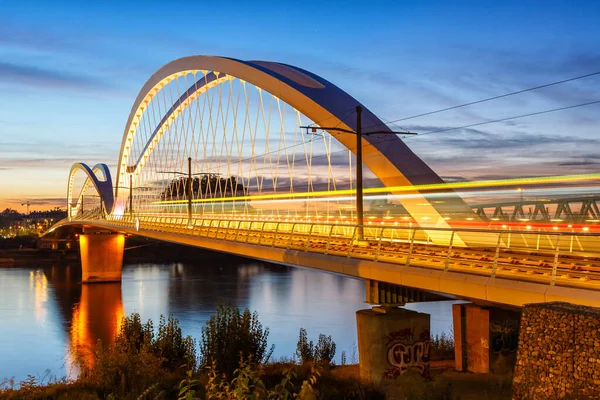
[(390, 160), (103, 187)]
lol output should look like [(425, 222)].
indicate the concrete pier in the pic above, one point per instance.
[(391, 341), (101, 257)]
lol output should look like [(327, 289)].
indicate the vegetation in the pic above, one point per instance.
[(442, 347), (322, 353), (204, 187), (233, 363), (230, 336)]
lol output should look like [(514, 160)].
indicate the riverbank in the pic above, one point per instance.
[(232, 362)]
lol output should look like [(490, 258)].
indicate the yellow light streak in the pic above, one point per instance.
[(395, 189)]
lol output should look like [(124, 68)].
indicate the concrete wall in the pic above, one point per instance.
[(485, 338), (559, 352), (391, 341)]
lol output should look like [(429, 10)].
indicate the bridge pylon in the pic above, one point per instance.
[(101, 256)]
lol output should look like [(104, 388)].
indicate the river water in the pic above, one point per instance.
[(47, 317)]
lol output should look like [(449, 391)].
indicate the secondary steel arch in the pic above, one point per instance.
[(103, 187), (390, 160)]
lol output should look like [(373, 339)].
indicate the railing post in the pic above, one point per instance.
[(291, 234), (449, 252), (275, 234), (329, 239), (218, 229), (410, 249), (237, 231), (537, 245), (352, 241), (248, 232), (555, 264), (379, 244), (227, 230), (312, 225), (262, 227), (495, 265)]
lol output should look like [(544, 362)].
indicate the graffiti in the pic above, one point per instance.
[(504, 336), (401, 335), (404, 356), (485, 344)]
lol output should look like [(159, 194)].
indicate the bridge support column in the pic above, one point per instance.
[(485, 338), (390, 341), (101, 257)]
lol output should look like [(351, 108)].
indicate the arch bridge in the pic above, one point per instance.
[(214, 155)]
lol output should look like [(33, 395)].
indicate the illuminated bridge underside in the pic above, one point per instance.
[(533, 268), (392, 162)]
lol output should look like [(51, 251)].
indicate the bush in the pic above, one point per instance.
[(442, 347), (323, 352), (305, 350), (229, 335), (138, 359)]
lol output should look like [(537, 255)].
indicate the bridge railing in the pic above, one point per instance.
[(563, 258)]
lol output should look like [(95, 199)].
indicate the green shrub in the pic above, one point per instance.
[(323, 352), (229, 334), (138, 359), (175, 350), (305, 350)]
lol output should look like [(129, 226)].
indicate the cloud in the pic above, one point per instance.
[(578, 163), (475, 139), (28, 75)]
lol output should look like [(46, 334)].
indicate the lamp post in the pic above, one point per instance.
[(188, 186), (131, 194), (521, 190), (359, 172)]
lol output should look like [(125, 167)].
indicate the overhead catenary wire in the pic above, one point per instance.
[(487, 99)]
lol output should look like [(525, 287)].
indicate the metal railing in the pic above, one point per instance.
[(555, 258)]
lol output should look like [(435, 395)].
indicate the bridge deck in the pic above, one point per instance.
[(517, 269)]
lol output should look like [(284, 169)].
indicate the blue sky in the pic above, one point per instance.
[(70, 71)]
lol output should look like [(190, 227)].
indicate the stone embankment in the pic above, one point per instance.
[(559, 352)]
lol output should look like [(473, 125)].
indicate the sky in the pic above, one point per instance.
[(70, 71)]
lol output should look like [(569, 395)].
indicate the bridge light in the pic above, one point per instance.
[(585, 228), (504, 226), (555, 228), (528, 227)]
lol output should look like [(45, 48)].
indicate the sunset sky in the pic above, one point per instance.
[(70, 71)]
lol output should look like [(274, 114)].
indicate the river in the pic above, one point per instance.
[(47, 316)]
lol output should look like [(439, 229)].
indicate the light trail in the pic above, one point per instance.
[(418, 188), (463, 194)]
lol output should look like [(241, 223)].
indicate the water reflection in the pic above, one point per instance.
[(97, 316), (49, 319)]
